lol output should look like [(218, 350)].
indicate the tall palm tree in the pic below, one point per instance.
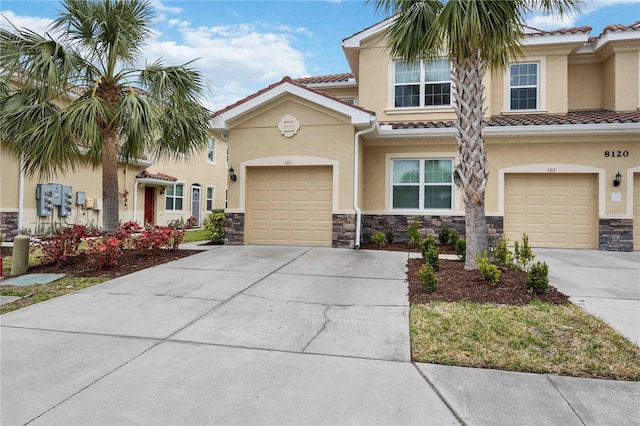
[(475, 35), (121, 113)]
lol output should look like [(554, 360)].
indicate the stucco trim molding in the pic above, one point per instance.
[(288, 161), (557, 168), (630, 189)]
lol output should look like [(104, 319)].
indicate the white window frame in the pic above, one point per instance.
[(211, 150), (455, 196), (422, 83), (541, 92), (173, 197), (212, 199)]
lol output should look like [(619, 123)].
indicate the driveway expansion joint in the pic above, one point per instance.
[(565, 399), (437, 392)]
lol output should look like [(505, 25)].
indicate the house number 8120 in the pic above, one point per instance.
[(616, 154)]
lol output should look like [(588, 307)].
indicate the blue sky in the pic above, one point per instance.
[(244, 46)]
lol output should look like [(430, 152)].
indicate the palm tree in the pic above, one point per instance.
[(120, 113), (475, 35)]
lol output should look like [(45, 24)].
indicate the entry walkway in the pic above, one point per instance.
[(264, 335)]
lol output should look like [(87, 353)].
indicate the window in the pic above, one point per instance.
[(524, 86), (211, 150), (174, 197), (227, 159), (422, 84), (210, 198), (422, 184)]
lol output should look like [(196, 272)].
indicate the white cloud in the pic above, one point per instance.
[(545, 22), (37, 25)]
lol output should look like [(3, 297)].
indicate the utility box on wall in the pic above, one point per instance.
[(66, 201), (81, 198), (46, 196)]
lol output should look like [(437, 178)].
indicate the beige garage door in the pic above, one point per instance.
[(289, 206), (636, 211), (554, 210)]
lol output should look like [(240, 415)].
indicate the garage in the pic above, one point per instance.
[(554, 210), (636, 211), (289, 206)]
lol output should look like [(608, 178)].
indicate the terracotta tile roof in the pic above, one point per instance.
[(286, 79), (331, 78), (619, 27), (160, 176), (597, 116), (533, 32)]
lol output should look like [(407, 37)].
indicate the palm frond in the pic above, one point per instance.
[(137, 118), (85, 120)]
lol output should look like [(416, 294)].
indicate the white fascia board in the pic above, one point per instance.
[(158, 182), (358, 117), (555, 39), (417, 133), (356, 39), (616, 36)]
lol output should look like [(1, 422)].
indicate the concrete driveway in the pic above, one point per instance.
[(264, 335), (606, 284)]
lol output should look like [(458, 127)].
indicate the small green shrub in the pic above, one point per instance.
[(428, 278), (213, 226), (538, 280), (432, 256), (379, 239), (489, 272), (427, 244), (524, 255), (454, 236), (390, 236), (461, 249), (501, 254), (413, 231), (444, 235)]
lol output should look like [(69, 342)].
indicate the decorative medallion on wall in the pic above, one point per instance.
[(289, 125)]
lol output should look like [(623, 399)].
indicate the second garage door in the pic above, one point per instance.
[(554, 210), (289, 206)]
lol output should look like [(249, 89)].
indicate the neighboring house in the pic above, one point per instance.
[(150, 191), (328, 160)]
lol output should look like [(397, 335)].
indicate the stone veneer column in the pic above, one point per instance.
[(344, 231), (234, 229), (9, 225), (615, 235)]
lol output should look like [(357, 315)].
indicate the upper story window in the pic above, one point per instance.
[(210, 198), (523, 86), (174, 197), (422, 184), (211, 150), (422, 84)]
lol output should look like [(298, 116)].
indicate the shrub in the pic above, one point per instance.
[(489, 272), (538, 280), (444, 235), (432, 256), (454, 236), (158, 237), (524, 255), (413, 231), (63, 245), (104, 252), (191, 223), (428, 278), (390, 236), (427, 244), (213, 226), (461, 249), (379, 239), (177, 223), (501, 254)]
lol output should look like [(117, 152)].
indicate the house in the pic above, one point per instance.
[(151, 191), (326, 161)]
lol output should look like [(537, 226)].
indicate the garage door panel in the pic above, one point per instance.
[(298, 202), (553, 210), (636, 211)]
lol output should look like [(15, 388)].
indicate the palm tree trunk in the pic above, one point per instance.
[(472, 157), (110, 182)]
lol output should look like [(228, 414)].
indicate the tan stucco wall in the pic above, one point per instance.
[(340, 93), (626, 78), (322, 134), (557, 85), (609, 83), (585, 86)]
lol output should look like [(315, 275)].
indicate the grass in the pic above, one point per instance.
[(193, 235), (539, 338)]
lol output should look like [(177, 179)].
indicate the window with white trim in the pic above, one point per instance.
[(174, 197), (523, 86), (422, 184), (211, 150), (422, 84), (211, 192)]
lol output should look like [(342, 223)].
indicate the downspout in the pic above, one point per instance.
[(21, 196), (135, 200), (356, 165)]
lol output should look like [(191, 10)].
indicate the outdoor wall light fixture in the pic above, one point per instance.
[(232, 175), (617, 180)]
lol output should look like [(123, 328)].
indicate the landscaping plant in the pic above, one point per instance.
[(379, 239), (523, 254), (538, 280), (390, 236), (213, 226), (413, 231), (428, 278), (444, 235), (489, 271)]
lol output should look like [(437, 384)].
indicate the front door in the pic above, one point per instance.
[(196, 192), (149, 204)]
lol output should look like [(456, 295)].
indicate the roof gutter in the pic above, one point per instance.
[(356, 168)]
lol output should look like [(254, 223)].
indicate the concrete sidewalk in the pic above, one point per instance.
[(264, 335)]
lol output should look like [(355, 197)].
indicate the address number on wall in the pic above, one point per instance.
[(616, 154)]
